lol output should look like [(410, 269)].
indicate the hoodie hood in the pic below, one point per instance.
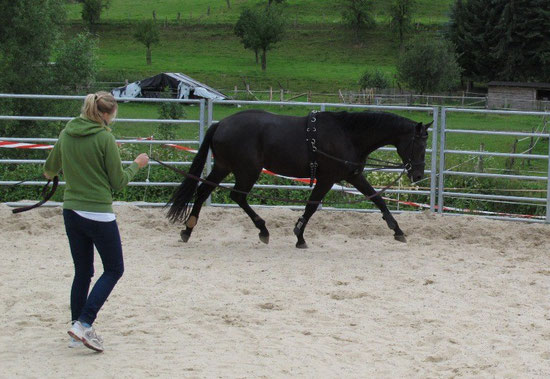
[(81, 127)]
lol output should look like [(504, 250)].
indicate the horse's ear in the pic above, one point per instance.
[(422, 129)]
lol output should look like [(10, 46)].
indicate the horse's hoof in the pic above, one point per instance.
[(301, 245), (184, 236), (400, 238), (264, 238)]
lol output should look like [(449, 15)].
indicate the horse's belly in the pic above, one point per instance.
[(287, 167)]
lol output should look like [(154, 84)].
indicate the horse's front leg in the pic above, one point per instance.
[(315, 198), (366, 189)]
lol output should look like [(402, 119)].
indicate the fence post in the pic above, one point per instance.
[(530, 150), (441, 159), (480, 158), (433, 165), (209, 122), (511, 160), (201, 121), (210, 118), (548, 189)]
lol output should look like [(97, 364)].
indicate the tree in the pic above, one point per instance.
[(30, 39), (428, 65), (91, 11), (357, 14), (523, 47), (76, 63), (373, 79), (260, 30), (169, 111), (147, 33), (245, 29), (472, 30), (29, 32), (401, 17), (505, 40)]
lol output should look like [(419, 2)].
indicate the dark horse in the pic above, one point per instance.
[(248, 141)]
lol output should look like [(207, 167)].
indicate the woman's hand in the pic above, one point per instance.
[(47, 176), (142, 160)]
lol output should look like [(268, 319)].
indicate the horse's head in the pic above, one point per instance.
[(412, 150)]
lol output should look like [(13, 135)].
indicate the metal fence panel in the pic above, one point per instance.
[(439, 152), (444, 152)]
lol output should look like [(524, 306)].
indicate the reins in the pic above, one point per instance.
[(46, 195), (387, 165)]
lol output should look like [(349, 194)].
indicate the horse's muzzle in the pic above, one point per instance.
[(415, 177)]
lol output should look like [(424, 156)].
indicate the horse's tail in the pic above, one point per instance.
[(180, 209)]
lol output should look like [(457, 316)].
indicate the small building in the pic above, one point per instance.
[(517, 95)]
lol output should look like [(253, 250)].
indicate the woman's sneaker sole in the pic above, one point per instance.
[(89, 346)]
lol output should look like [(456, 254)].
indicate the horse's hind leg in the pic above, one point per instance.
[(243, 185), (204, 190), (366, 189), (315, 198)]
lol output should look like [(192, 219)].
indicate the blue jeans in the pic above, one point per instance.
[(83, 234)]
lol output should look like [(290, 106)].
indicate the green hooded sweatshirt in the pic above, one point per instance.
[(87, 153)]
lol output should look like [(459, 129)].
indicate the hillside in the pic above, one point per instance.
[(318, 53)]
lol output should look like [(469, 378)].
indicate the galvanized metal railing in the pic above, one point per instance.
[(440, 133), (443, 152), (205, 118)]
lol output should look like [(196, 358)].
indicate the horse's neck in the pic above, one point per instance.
[(377, 132)]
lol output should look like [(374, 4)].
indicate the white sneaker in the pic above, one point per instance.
[(88, 336), (74, 343)]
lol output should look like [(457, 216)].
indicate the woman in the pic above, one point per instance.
[(88, 155)]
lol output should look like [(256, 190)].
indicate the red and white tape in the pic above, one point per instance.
[(179, 147), (22, 145)]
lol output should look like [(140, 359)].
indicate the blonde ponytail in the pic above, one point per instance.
[(97, 104)]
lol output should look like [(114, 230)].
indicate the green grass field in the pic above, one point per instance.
[(317, 59), (317, 54)]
